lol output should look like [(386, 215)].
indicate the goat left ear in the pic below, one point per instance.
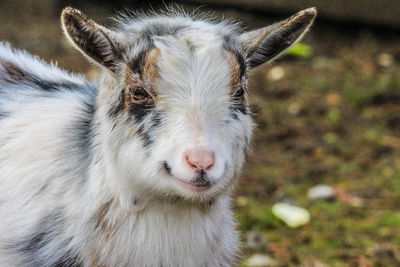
[(265, 44), (93, 40)]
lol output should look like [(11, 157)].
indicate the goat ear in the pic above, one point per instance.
[(265, 44), (93, 40)]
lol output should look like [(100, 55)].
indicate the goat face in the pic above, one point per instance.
[(173, 101)]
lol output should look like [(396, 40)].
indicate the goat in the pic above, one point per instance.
[(137, 169)]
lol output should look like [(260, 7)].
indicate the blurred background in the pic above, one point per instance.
[(328, 136)]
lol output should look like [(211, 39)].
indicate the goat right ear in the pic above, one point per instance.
[(94, 41), (265, 44)]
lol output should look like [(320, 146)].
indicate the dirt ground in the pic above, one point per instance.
[(331, 117)]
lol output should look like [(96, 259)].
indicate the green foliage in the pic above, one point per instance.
[(300, 50)]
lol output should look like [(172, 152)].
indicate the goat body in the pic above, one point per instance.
[(135, 170)]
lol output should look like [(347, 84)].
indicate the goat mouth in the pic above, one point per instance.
[(200, 183), (195, 186)]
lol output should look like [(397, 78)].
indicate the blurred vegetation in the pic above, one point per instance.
[(329, 114), (333, 118)]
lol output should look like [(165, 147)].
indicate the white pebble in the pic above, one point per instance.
[(324, 192), (293, 216), (260, 260), (276, 73), (385, 60)]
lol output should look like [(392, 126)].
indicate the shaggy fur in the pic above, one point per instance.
[(95, 174)]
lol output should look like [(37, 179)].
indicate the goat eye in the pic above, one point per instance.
[(139, 94), (239, 92)]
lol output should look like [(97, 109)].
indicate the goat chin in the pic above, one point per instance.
[(137, 169)]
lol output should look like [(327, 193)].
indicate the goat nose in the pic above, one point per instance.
[(200, 159)]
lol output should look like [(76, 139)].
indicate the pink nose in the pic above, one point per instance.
[(200, 159)]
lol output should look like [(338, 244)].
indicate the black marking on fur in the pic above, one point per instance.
[(136, 110), (145, 129), (157, 119), (137, 63), (167, 168), (243, 109), (35, 242), (43, 235), (47, 230), (237, 108), (113, 127), (240, 108), (69, 259), (4, 114), (84, 125), (14, 74), (147, 141), (139, 110), (117, 108), (233, 114), (78, 142), (83, 134)]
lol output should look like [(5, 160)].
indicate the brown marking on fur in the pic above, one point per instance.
[(150, 69), (145, 70), (149, 73), (93, 259), (101, 223), (237, 79), (235, 72), (130, 82), (109, 219), (104, 230)]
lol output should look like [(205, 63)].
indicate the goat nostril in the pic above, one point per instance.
[(189, 162), (209, 166), (200, 159)]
